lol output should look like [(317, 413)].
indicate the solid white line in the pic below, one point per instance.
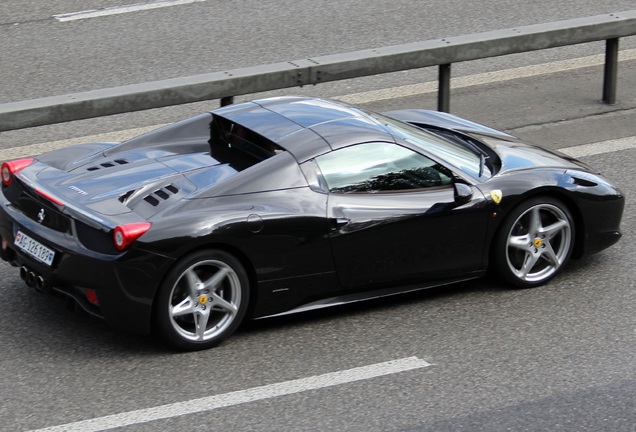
[(116, 10), (484, 78), (242, 396), (600, 147), (36, 149)]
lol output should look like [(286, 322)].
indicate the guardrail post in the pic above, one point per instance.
[(229, 100), (443, 92), (611, 71)]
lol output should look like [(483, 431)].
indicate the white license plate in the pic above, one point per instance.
[(34, 248)]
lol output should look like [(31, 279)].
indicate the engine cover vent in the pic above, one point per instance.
[(109, 164), (160, 195)]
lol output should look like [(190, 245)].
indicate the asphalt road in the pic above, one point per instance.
[(42, 56), (561, 357)]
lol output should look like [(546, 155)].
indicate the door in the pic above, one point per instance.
[(395, 217)]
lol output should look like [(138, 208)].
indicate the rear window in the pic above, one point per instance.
[(237, 146)]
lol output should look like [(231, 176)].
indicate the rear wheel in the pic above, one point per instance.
[(203, 300), (535, 241)]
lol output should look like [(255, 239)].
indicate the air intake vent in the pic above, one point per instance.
[(151, 200), (125, 196), (162, 194), (583, 182), (108, 164)]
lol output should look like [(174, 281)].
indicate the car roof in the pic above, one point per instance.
[(306, 127)]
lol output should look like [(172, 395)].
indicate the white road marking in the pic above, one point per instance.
[(95, 13), (35, 149), (364, 97), (242, 396), (484, 78), (600, 147)]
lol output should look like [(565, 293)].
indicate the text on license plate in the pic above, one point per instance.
[(34, 248)]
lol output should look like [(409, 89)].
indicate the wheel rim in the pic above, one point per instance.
[(538, 243), (205, 300)]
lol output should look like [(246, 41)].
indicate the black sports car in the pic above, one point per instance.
[(290, 204)]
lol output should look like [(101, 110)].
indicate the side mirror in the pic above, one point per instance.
[(463, 193)]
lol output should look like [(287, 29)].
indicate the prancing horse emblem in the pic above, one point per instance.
[(496, 196), (41, 216)]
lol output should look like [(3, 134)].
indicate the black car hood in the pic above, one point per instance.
[(513, 153), (516, 155)]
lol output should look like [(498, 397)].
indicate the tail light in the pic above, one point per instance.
[(9, 169), (125, 235)]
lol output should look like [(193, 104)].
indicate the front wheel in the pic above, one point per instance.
[(202, 301), (534, 243)]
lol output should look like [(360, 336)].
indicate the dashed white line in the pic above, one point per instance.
[(243, 396), (96, 13)]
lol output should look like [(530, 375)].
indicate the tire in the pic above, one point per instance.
[(534, 243), (202, 300)]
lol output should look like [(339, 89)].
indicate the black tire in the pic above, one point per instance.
[(534, 242), (202, 300)]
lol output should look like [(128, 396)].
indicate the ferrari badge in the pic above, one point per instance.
[(496, 196)]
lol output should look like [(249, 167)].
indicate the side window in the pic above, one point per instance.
[(380, 167)]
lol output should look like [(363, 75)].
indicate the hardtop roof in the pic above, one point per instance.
[(304, 126)]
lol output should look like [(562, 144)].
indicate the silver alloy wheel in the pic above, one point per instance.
[(538, 243), (205, 300)]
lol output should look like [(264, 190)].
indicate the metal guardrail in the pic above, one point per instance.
[(225, 85)]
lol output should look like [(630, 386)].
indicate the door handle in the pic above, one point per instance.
[(340, 222)]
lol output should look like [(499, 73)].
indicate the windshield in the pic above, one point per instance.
[(468, 160)]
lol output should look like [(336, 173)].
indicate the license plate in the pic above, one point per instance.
[(34, 248)]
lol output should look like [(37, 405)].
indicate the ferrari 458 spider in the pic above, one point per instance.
[(290, 204)]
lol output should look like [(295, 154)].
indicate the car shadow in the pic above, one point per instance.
[(422, 296), (485, 285), (69, 329)]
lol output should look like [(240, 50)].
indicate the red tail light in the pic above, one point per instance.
[(125, 235), (9, 169)]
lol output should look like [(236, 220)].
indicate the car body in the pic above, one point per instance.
[(289, 204)]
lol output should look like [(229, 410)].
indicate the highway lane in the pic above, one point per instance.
[(561, 356)]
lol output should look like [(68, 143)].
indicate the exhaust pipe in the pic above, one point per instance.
[(34, 280), (40, 284), (30, 279), (23, 273)]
